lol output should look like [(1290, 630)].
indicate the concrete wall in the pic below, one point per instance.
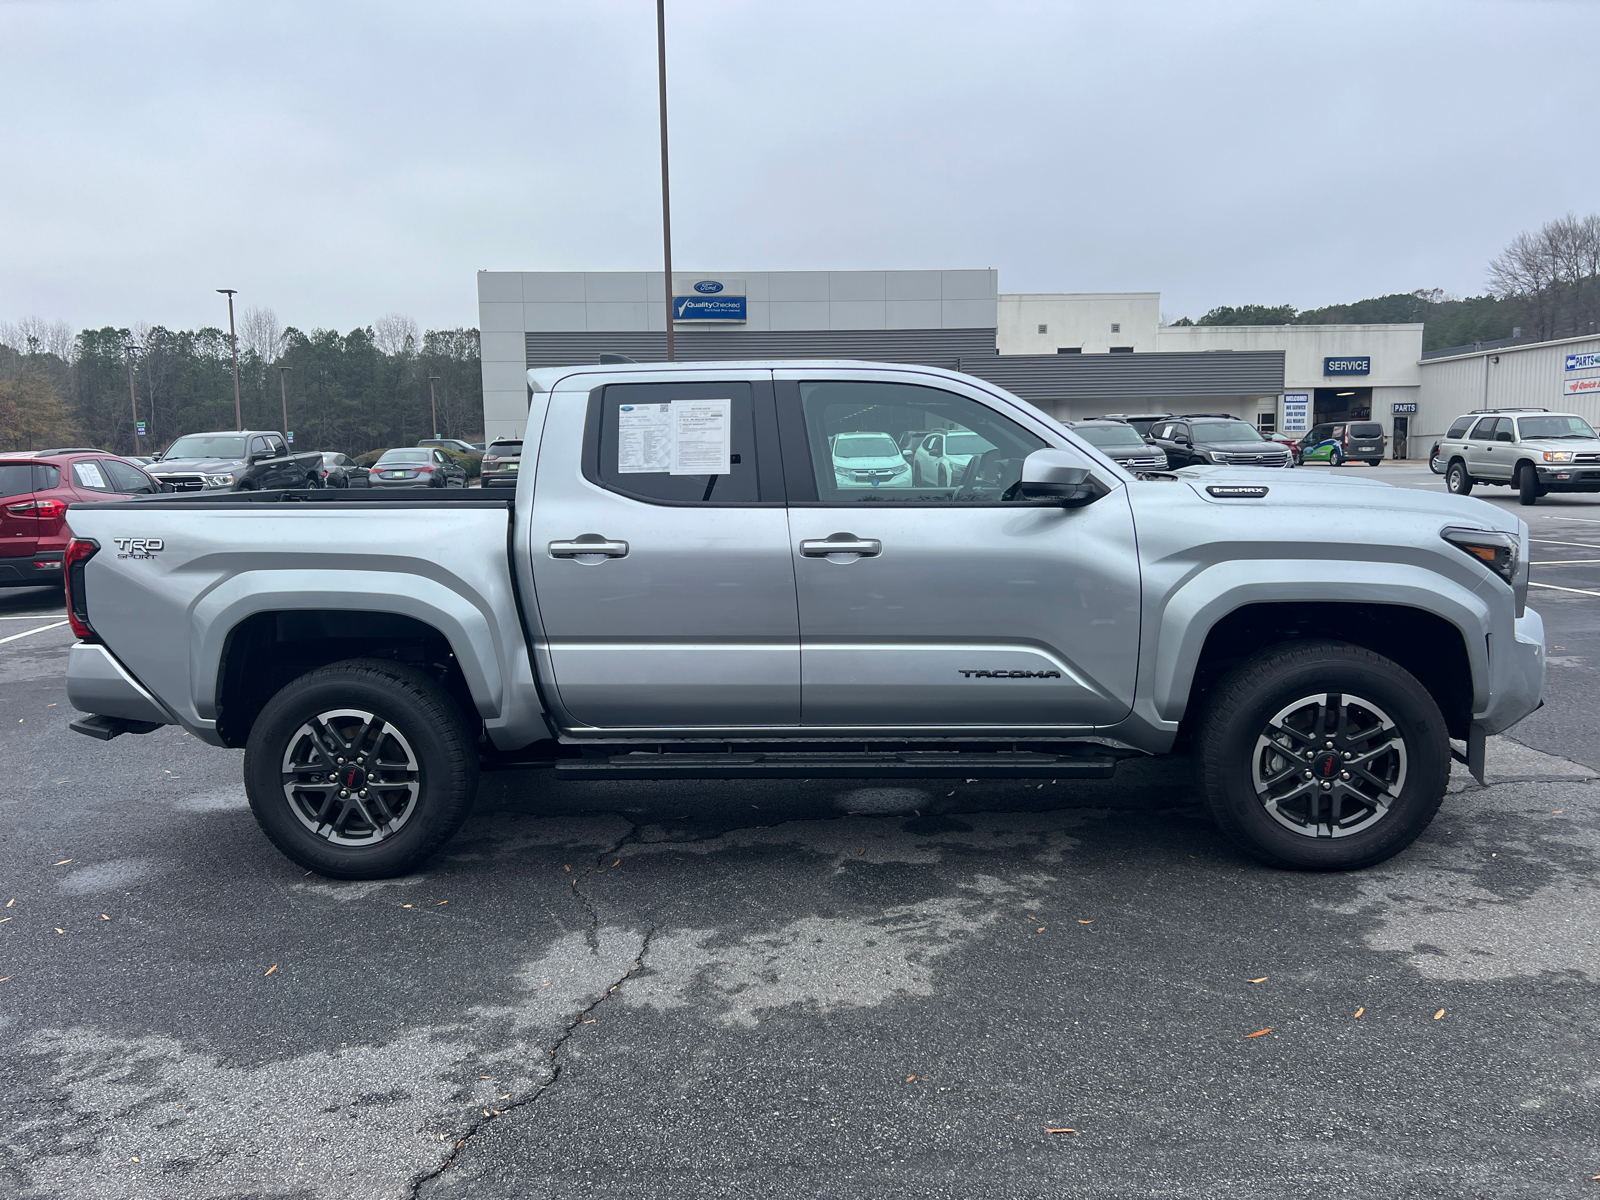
[(1081, 319), (512, 303), (1531, 376), (1394, 350)]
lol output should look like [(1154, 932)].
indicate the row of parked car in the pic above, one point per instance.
[(1163, 441)]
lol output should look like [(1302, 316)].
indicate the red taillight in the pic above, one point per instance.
[(423, 470), (79, 552), (48, 509)]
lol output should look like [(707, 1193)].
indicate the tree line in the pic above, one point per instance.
[(352, 392), (1545, 284)]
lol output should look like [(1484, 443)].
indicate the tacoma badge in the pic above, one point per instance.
[(1011, 674)]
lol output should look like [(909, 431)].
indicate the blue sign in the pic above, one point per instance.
[(1403, 406), (704, 308), (1347, 366), (708, 287), (140, 429), (1583, 362)]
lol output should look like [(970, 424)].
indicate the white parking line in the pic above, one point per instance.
[(29, 617), (30, 632), (1579, 520), (1554, 542), (1557, 588), (1566, 562)]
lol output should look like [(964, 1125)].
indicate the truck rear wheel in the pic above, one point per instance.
[(361, 770), (1323, 756), (1457, 479)]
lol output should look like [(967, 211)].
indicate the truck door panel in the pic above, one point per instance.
[(685, 614), (951, 608)]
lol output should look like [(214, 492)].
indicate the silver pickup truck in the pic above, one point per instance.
[(717, 570)]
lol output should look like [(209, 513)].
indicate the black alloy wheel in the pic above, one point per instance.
[(1457, 480), (1323, 756), (361, 770)]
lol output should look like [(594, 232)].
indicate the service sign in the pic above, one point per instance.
[(1582, 387), (699, 298), (1347, 366), (1296, 412), (1583, 362)]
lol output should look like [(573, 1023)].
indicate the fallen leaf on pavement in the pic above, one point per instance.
[(3, 920), (11, 901), (618, 863), (272, 968), (1258, 1033), (1359, 1011), (442, 902), (566, 868), (1263, 979), (1061, 1131), (4, 978), (1040, 929), (59, 929), (1438, 1014), (405, 906), (62, 863), (1088, 922), (103, 917), (1558, 812), (911, 1078), (861, 851)]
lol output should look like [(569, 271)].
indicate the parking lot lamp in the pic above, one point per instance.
[(133, 400), (238, 411), (283, 393), (666, 192), (433, 404)]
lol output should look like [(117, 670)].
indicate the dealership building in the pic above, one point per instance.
[(1072, 354)]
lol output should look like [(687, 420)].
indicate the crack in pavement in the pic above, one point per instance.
[(479, 1123)]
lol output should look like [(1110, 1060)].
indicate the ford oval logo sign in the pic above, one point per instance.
[(708, 286)]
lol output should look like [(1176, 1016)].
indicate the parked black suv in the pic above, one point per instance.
[(1198, 441), (1120, 441)]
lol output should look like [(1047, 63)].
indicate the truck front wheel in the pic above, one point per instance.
[(1322, 756), (361, 770)]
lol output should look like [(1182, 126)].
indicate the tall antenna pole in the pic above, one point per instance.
[(283, 394), (133, 400), (666, 192), (238, 412)]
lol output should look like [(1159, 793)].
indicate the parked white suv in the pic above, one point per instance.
[(1531, 449)]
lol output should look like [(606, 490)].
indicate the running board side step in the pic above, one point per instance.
[(909, 764), (105, 728)]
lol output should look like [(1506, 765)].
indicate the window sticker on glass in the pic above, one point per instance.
[(89, 476), (644, 438), (701, 434)]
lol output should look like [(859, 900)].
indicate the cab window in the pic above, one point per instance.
[(1484, 430), (852, 433), (89, 475), (1459, 429), (127, 479), (676, 443)]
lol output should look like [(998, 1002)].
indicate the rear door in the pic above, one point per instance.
[(683, 614), (1481, 449), (19, 523), (950, 609)]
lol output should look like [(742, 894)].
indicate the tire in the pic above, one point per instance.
[(1457, 479), (1335, 457), (1436, 465), (1374, 462), (433, 774), (916, 476), (944, 478), (1528, 489), (1260, 796)]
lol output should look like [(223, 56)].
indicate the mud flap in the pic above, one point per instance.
[(1474, 757)]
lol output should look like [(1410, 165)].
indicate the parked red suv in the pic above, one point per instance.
[(35, 490)]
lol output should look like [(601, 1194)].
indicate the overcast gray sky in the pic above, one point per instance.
[(337, 161)]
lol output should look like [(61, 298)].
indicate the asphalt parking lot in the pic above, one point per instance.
[(823, 989)]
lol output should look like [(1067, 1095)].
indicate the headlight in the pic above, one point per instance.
[(1558, 456), (219, 481), (1500, 552), (903, 467)]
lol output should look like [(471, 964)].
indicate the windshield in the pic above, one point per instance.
[(506, 449), (204, 446), (966, 443), (1555, 427), (1226, 431), (405, 456), (865, 445), (1110, 437), (1368, 430)]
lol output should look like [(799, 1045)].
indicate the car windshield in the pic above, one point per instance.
[(506, 449), (1110, 437), (203, 446), (966, 442), (1555, 427), (865, 445), (1226, 431), (406, 456)]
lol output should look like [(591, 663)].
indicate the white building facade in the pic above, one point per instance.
[(1562, 376)]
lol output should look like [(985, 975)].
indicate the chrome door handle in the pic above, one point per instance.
[(589, 543), (841, 543)]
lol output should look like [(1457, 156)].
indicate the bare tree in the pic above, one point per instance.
[(1555, 272), (35, 335), (395, 333), (260, 332)]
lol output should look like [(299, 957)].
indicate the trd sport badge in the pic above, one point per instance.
[(139, 547)]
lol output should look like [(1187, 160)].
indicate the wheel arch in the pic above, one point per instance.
[(1424, 642)]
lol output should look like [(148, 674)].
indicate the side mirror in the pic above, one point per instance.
[(1055, 476), (166, 487), (1180, 440)]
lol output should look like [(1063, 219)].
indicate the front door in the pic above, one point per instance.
[(957, 607), (660, 551), (1481, 456)]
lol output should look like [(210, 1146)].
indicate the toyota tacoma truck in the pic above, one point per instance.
[(687, 582), (243, 460)]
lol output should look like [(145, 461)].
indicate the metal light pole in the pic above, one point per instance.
[(666, 192), (433, 404), (283, 392), (238, 411), (133, 401)]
